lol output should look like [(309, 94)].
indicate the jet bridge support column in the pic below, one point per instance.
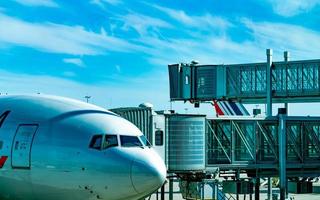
[(269, 83), (269, 188), (162, 191), (286, 56), (170, 189), (282, 156), (257, 189)]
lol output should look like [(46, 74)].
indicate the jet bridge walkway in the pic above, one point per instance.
[(289, 81), (252, 145)]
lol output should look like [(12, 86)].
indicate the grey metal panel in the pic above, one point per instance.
[(174, 80), (141, 117), (22, 143), (205, 82), (186, 135), (221, 82), (186, 81)]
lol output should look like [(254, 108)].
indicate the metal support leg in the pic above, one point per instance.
[(257, 189), (282, 156), (202, 190), (170, 189), (269, 188), (286, 56), (162, 191), (269, 83), (157, 195)]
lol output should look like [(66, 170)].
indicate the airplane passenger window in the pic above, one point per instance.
[(159, 138), (96, 142), (110, 141), (145, 141), (130, 141)]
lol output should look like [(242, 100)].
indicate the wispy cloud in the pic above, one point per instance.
[(69, 74), (118, 68), (103, 3), (203, 22), (45, 3), (75, 61), (290, 8), (303, 42), (143, 23), (58, 38)]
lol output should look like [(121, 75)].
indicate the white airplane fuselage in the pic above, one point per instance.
[(56, 148)]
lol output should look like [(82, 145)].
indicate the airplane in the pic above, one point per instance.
[(58, 148)]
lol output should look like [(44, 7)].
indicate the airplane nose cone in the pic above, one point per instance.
[(148, 176)]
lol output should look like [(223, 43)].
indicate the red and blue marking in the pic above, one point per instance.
[(3, 160), (229, 108)]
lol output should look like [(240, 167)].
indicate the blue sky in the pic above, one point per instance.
[(117, 51)]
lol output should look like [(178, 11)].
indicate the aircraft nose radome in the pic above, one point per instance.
[(148, 176)]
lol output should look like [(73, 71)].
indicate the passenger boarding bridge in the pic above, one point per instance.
[(253, 144), (291, 81), (284, 146)]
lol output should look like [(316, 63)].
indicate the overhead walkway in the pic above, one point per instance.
[(291, 81)]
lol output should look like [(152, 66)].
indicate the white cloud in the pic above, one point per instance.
[(142, 23), (102, 3), (118, 68), (69, 74), (45, 3), (290, 8), (302, 42), (57, 38), (74, 61), (203, 22)]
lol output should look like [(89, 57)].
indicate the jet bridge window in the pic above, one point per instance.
[(110, 141), (130, 141), (159, 138), (96, 142)]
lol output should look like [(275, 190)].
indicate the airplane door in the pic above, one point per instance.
[(22, 144)]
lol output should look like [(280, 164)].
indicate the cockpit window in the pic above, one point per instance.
[(96, 142), (145, 141), (130, 141), (110, 141)]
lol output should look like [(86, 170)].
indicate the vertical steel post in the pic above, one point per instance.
[(269, 82), (157, 195), (286, 56), (171, 189), (269, 188), (202, 190), (282, 155), (257, 189), (162, 192)]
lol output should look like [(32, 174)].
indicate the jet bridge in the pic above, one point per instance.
[(284, 146), (290, 81), (253, 145)]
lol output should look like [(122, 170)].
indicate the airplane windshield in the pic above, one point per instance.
[(130, 141), (145, 141), (110, 141)]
